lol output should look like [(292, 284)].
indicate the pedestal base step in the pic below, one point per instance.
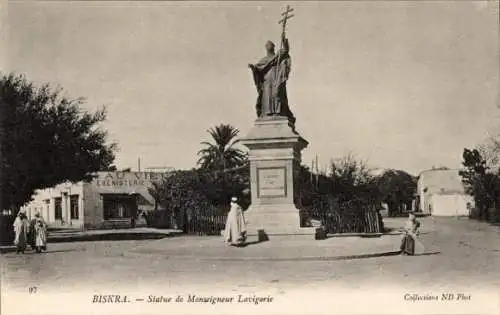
[(284, 234)]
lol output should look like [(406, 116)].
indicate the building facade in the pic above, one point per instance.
[(111, 199), (442, 193)]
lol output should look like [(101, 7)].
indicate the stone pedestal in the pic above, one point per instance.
[(275, 157)]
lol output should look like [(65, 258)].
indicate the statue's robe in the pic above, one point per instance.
[(270, 79)]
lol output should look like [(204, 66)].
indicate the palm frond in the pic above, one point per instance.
[(220, 154)]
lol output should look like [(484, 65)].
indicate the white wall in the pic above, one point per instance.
[(115, 183), (47, 210), (424, 197), (450, 205), (90, 201)]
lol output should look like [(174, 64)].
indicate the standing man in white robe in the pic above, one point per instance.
[(235, 232), (21, 231)]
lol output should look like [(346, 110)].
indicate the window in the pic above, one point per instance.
[(73, 204), (58, 208)]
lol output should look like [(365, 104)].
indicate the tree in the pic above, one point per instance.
[(311, 186), (476, 180), (397, 188), (180, 192), (185, 194), (474, 167), (46, 139), (111, 168), (157, 191), (353, 181), (490, 151), (221, 154)]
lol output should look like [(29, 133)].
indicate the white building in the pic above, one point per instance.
[(442, 193), (159, 169), (109, 200)]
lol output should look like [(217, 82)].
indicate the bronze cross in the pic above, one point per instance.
[(286, 15)]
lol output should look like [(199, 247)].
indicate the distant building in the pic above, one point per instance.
[(109, 200), (159, 169), (442, 193)]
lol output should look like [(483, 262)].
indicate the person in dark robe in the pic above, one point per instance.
[(270, 75), (40, 233), (410, 234), (32, 234)]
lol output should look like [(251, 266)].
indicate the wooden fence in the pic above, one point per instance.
[(206, 225), (208, 222), (335, 219), (362, 221), (356, 220), (352, 219)]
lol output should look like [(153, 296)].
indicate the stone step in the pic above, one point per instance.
[(284, 233)]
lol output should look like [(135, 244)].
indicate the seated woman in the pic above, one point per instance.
[(410, 232)]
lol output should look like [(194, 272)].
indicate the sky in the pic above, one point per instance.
[(403, 85)]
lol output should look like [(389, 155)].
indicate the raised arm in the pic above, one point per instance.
[(286, 45)]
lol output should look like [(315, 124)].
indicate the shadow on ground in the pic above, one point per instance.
[(32, 251), (250, 243), (405, 215), (333, 258), (95, 238), (71, 238), (388, 231), (428, 254), (107, 237), (362, 235)]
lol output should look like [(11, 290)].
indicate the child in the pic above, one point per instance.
[(410, 233)]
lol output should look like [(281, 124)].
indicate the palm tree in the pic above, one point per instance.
[(157, 191), (221, 155)]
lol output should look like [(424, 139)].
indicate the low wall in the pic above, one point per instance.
[(115, 224)]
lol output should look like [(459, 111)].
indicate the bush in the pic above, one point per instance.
[(494, 215), (6, 230), (159, 219), (474, 214), (189, 197)]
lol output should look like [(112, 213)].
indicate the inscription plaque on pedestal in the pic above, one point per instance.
[(271, 182)]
